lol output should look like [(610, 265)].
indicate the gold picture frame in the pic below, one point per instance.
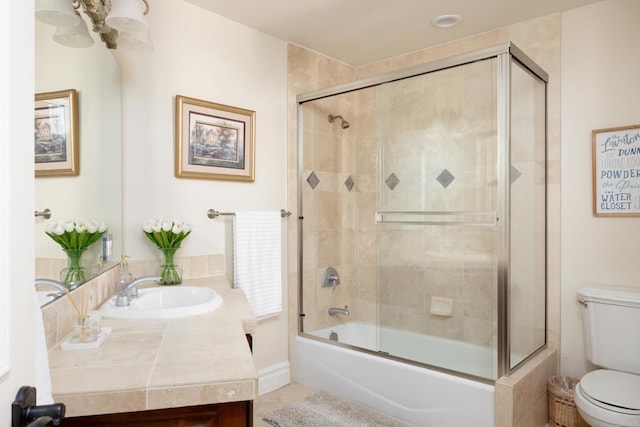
[(213, 141), (616, 171), (56, 144)]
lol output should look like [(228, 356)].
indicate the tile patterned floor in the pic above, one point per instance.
[(276, 400)]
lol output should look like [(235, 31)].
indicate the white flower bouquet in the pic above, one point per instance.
[(74, 237), (167, 236)]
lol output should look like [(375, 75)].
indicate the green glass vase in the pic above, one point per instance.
[(74, 274), (169, 272)]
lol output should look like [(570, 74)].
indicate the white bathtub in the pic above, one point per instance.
[(414, 394)]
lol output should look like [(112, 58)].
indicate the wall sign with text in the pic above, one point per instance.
[(616, 171)]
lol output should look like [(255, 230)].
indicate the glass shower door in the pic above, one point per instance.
[(527, 274), (436, 218)]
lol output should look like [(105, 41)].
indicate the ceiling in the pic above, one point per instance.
[(359, 32)]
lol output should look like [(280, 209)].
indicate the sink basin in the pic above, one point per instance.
[(165, 302), (45, 297)]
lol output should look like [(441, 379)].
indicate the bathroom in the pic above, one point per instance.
[(585, 93)]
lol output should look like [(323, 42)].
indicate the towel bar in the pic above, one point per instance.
[(212, 213)]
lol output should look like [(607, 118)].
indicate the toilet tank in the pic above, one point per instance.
[(611, 323)]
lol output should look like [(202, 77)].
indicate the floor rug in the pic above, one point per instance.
[(323, 409)]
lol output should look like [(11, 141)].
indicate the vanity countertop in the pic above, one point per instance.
[(154, 364)]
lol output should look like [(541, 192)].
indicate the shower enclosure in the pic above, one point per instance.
[(425, 190)]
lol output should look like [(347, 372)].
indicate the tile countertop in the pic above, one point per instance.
[(153, 364)]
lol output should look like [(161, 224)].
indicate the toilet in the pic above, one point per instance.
[(611, 318)]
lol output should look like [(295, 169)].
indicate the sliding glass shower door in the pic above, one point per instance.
[(437, 233)]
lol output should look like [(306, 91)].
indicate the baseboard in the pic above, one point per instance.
[(273, 377)]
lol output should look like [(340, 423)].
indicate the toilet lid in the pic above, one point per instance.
[(613, 388)]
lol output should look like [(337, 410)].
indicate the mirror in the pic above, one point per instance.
[(96, 192)]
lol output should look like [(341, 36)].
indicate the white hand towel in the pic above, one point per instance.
[(258, 261)]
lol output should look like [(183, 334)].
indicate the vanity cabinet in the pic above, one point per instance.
[(233, 414), (164, 373)]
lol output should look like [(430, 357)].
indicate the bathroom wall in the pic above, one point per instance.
[(202, 55), (600, 90)]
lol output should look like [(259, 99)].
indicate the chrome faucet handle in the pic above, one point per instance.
[(122, 300), (330, 279), (131, 290)]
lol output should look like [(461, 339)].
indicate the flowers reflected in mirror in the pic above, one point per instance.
[(74, 237)]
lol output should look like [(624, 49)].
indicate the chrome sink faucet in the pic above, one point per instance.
[(131, 290), (334, 310), (54, 284)]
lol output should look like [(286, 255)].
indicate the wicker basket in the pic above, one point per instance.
[(562, 408)]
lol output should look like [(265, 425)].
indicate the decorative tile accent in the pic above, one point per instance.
[(514, 174), (313, 180), (392, 181), (349, 183), (445, 178)]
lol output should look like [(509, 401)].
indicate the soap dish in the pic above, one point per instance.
[(68, 345)]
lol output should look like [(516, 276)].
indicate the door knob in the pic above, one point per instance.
[(25, 412)]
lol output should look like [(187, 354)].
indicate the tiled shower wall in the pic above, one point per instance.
[(309, 71), (330, 206), (436, 130)]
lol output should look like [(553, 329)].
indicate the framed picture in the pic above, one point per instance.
[(56, 133), (213, 141), (616, 171)]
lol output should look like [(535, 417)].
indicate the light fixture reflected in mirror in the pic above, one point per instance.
[(139, 42), (110, 19), (75, 36), (127, 16), (57, 12)]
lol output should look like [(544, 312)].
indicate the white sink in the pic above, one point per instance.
[(45, 297), (165, 302)]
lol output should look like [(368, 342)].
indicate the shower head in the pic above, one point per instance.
[(344, 124)]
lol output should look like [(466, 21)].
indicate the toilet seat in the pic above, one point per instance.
[(613, 389), (609, 397)]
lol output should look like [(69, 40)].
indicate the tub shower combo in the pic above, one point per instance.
[(424, 216)]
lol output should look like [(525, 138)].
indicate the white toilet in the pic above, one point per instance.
[(610, 396)]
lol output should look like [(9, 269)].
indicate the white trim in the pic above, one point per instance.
[(5, 179), (273, 377)]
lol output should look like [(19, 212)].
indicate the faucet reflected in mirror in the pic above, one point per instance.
[(46, 296), (97, 191)]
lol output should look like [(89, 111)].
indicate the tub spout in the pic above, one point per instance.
[(334, 310)]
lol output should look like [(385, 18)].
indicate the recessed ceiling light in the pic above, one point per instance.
[(446, 21)]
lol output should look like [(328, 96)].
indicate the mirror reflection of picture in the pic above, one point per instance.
[(51, 133), (55, 133)]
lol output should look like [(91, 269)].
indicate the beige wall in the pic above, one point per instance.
[(600, 89), (202, 55)]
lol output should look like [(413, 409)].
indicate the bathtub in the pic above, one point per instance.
[(417, 395)]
